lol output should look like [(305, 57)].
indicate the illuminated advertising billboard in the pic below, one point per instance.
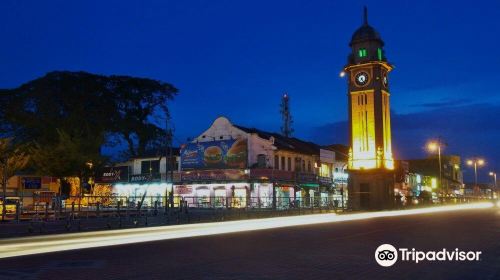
[(223, 154)]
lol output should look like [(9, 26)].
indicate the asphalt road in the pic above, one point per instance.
[(343, 250)]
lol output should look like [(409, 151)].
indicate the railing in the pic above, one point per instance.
[(96, 205)]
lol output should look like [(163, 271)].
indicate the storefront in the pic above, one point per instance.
[(285, 196), (115, 185), (262, 195), (218, 195), (149, 193)]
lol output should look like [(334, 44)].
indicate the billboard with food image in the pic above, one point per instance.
[(231, 153)]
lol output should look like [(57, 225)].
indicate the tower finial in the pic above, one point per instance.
[(365, 15)]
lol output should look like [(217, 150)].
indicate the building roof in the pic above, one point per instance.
[(365, 32), (285, 143)]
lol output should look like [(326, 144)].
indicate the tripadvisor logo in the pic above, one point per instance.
[(387, 255)]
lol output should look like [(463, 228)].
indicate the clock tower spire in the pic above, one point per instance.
[(368, 97), (365, 15)]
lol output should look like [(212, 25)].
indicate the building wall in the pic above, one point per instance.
[(221, 129), (379, 189), (257, 146), (135, 164)]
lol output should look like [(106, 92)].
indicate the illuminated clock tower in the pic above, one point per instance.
[(369, 111), (370, 156)]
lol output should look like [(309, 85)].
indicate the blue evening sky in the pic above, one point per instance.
[(236, 58)]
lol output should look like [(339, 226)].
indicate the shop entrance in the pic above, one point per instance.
[(239, 198), (220, 197), (283, 197), (203, 197)]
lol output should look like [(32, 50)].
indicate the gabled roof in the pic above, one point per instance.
[(284, 143)]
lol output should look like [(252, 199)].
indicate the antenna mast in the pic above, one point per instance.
[(286, 128)]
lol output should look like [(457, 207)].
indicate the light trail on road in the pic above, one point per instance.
[(61, 242)]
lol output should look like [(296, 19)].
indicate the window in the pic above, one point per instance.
[(261, 161), (324, 170), (303, 165), (289, 164), (379, 53), (150, 166), (298, 162), (309, 166), (362, 53), (282, 163), (276, 162)]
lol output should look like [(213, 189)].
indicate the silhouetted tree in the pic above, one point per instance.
[(65, 118), (12, 160)]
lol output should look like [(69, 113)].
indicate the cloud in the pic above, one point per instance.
[(445, 103)]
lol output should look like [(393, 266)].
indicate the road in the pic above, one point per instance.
[(328, 250)]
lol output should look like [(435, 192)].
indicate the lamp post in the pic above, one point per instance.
[(434, 146), (476, 162), (494, 175)]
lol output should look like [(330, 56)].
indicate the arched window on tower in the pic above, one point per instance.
[(362, 52)]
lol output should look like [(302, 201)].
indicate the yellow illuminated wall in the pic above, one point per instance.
[(364, 154), (387, 159)]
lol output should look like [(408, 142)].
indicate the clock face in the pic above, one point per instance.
[(361, 78)]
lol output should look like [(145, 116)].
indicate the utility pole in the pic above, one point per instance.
[(286, 116), (169, 165), (3, 162)]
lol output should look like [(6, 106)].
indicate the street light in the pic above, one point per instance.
[(475, 162), (494, 175), (433, 146), (494, 178)]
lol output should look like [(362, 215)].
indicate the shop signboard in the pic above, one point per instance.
[(222, 154), (306, 178), (183, 190), (145, 178), (31, 183), (214, 175), (325, 180), (112, 175)]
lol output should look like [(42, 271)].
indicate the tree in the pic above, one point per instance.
[(67, 117), (141, 104), (12, 160), (70, 156)]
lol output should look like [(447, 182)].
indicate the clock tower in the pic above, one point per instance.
[(370, 166), (368, 97)]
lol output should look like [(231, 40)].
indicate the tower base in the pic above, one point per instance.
[(371, 189)]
